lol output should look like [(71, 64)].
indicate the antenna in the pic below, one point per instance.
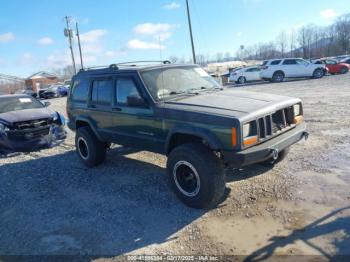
[(81, 55), (191, 35), (69, 33)]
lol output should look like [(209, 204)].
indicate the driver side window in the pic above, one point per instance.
[(125, 87)]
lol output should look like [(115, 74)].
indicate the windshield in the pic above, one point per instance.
[(168, 82), (8, 104)]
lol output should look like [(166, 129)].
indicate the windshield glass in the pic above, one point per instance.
[(8, 104), (168, 82)]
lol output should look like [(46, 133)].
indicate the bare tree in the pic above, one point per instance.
[(281, 42)]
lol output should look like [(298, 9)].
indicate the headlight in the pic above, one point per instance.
[(297, 110), (250, 133), (249, 129)]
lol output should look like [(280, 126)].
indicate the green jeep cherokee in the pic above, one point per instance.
[(180, 111)]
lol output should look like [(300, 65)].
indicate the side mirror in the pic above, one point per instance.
[(46, 104), (136, 101)]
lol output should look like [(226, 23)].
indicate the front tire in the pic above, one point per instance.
[(318, 73), (282, 155), (344, 70), (241, 80), (196, 175), (91, 151)]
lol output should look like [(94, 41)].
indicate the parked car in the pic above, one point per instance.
[(276, 70), (346, 61), (27, 125), (335, 67), (28, 92), (181, 112), (62, 90), (50, 92), (246, 74)]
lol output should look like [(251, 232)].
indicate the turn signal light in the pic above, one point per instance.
[(250, 140), (234, 136), (298, 119)]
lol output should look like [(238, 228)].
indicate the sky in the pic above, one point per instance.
[(32, 39)]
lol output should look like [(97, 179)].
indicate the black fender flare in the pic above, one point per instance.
[(90, 123), (212, 140)]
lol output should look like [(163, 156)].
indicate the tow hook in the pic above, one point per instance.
[(274, 154), (306, 135)]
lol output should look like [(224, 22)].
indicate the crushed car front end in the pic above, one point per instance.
[(32, 135)]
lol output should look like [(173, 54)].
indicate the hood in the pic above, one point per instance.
[(233, 103), (25, 115)]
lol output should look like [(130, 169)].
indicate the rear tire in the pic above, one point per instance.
[(196, 175), (91, 151), (318, 73), (278, 77)]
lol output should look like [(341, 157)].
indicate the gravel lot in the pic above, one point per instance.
[(51, 204)]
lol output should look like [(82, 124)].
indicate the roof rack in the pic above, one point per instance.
[(126, 64), (134, 63)]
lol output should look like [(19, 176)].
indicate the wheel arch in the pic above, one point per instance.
[(182, 135), (85, 121)]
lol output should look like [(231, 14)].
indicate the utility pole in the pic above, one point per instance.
[(69, 33), (191, 35), (81, 55)]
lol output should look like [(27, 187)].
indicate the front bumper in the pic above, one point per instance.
[(56, 136), (266, 150)]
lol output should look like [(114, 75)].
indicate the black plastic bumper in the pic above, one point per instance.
[(56, 136), (266, 150)]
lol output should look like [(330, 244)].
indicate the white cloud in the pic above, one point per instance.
[(45, 41), (173, 5), (239, 34), (113, 54), (26, 59), (142, 45), (7, 37), (151, 29), (328, 13), (93, 36)]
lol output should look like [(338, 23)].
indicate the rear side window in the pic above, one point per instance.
[(101, 93), (80, 90), (290, 62), (276, 62), (265, 62)]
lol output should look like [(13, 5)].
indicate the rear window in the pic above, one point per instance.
[(290, 62), (80, 90), (101, 92), (265, 63), (276, 62)]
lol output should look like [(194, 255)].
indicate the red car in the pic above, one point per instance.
[(335, 67)]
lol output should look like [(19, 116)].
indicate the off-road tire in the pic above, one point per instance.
[(210, 172), (94, 153), (278, 77), (318, 73), (282, 155), (344, 70)]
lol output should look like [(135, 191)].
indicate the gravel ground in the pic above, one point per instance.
[(51, 204)]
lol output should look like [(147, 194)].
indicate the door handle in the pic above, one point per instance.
[(116, 109)]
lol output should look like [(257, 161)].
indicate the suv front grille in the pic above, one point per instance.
[(278, 122)]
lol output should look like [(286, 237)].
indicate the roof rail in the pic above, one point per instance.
[(134, 63)]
